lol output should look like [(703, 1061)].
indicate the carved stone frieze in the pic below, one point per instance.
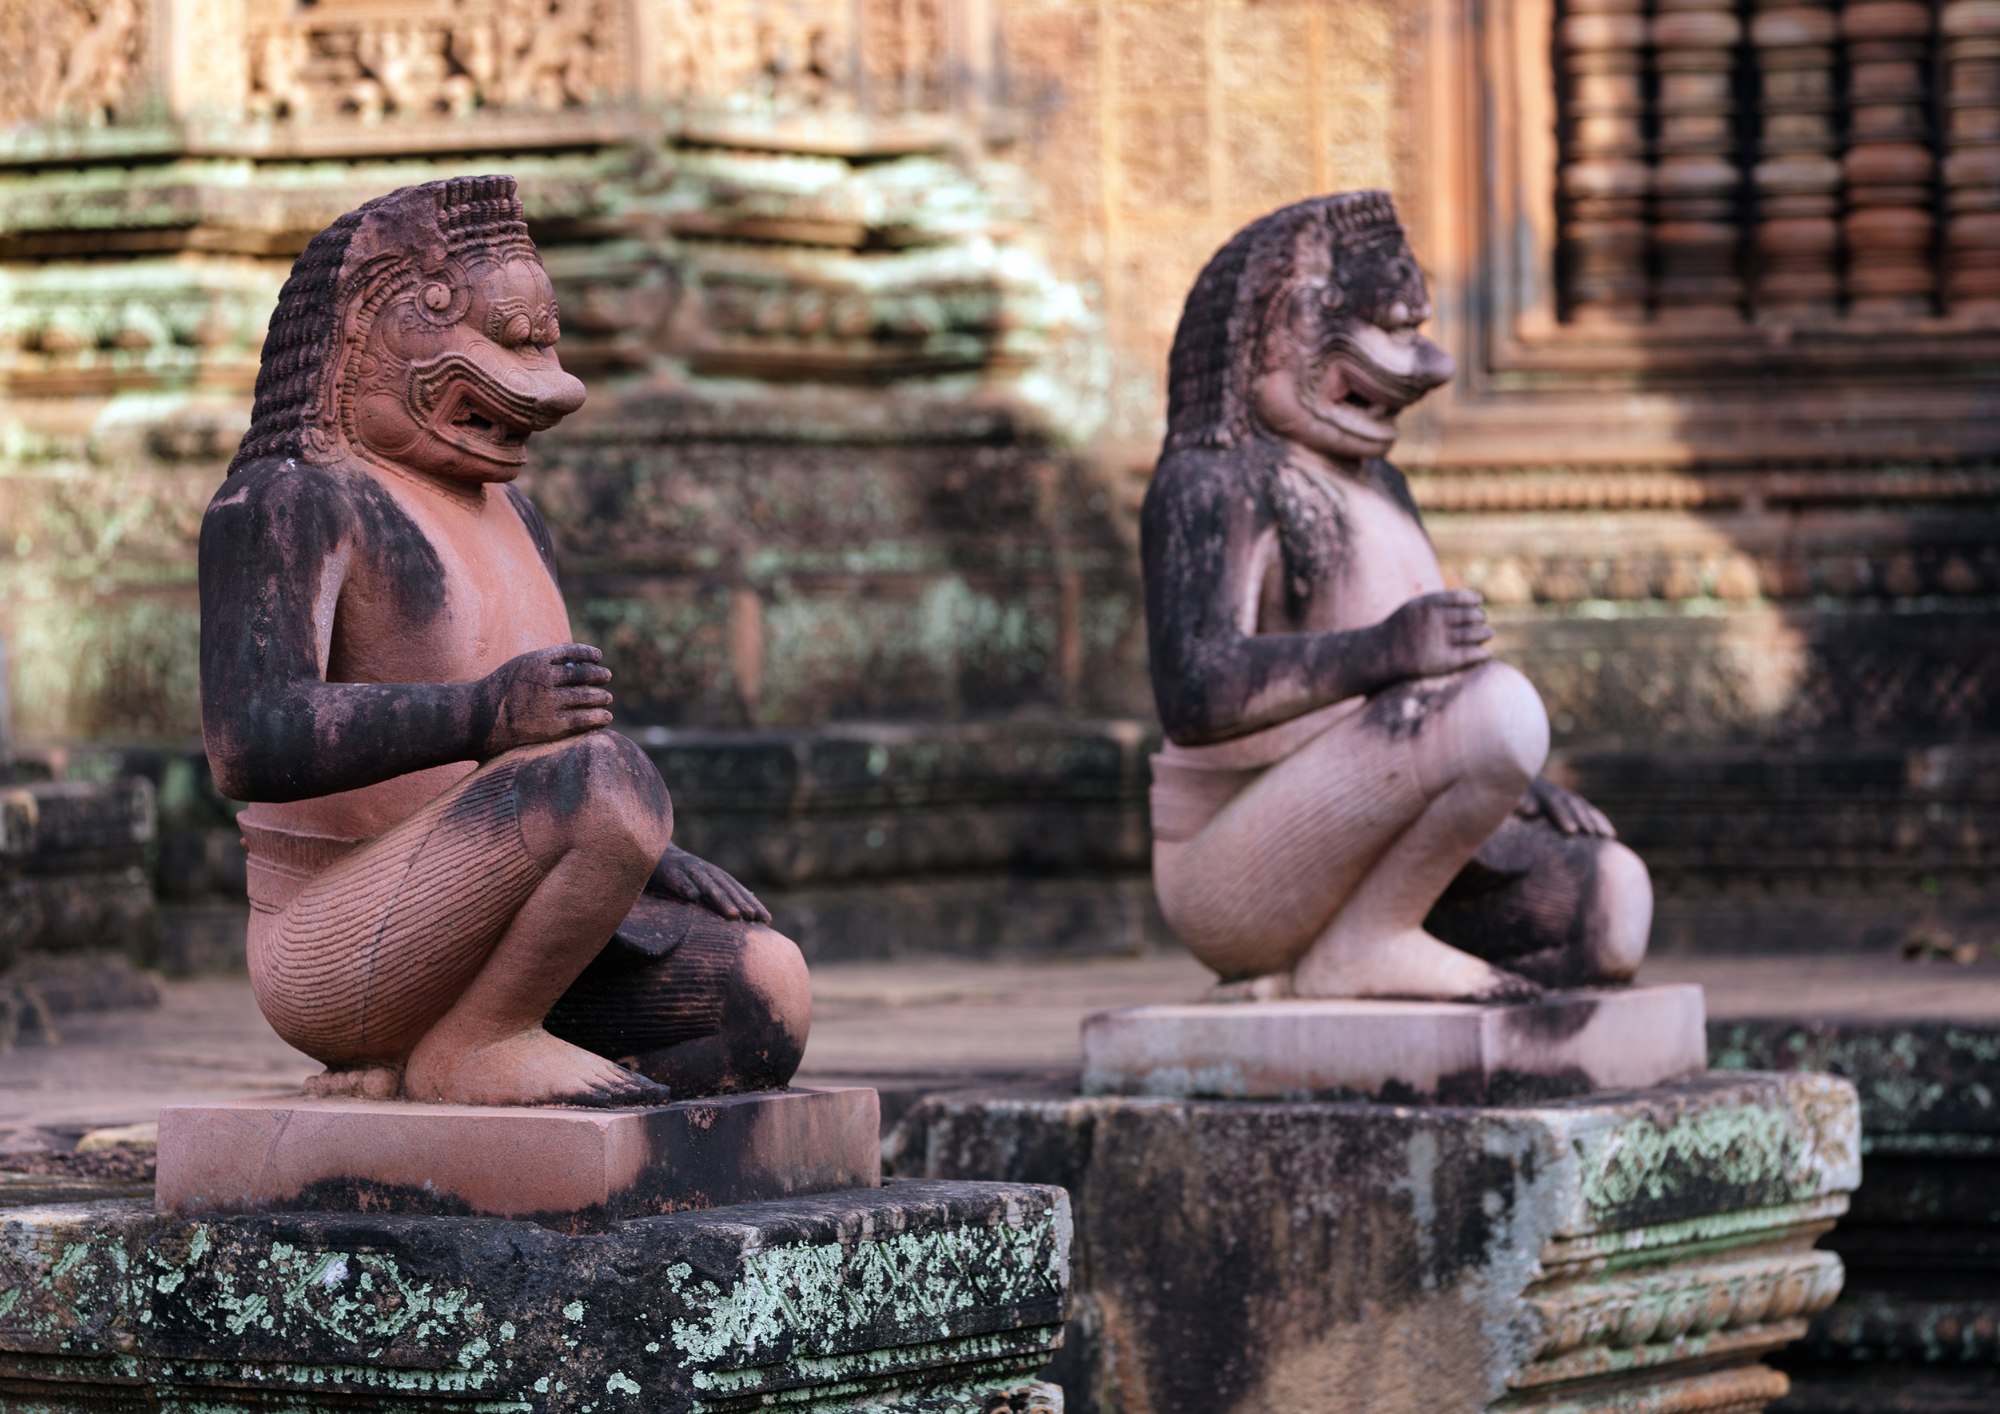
[(790, 51), (73, 61), (371, 61)]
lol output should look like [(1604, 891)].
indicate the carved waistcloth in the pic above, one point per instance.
[(1191, 784)]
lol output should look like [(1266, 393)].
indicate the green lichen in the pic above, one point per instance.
[(912, 1282)]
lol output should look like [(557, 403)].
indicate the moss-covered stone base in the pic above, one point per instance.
[(1634, 1251), (919, 1298)]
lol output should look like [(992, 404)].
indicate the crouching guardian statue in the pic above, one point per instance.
[(1348, 803), (462, 882)]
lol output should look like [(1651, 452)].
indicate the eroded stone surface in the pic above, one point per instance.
[(1566, 1044), (571, 1167), (1242, 1257), (919, 1298)]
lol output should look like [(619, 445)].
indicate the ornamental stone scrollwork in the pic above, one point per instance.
[(70, 60)]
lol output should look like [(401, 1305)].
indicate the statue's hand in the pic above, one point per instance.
[(1434, 634), (693, 880), (1569, 812), (544, 695)]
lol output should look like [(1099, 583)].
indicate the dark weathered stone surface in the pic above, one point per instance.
[(1808, 846), (76, 901), (71, 865), (920, 1298), (1916, 1326), (1237, 1256)]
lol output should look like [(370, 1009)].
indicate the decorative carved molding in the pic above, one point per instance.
[(1652, 1308), (85, 328)]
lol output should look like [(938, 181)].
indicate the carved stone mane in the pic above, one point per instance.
[(1217, 344), (350, 272)]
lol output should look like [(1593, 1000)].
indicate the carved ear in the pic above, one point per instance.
[(443, 294)]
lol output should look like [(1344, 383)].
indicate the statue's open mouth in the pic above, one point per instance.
[(474, 423), (1362, 394), (468, 407)]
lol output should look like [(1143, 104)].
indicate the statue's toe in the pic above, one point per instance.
[(620, 1094), (1509, 987)]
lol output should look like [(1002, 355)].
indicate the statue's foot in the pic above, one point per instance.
[(1271, 987), (530, 1068), (1412, 966), (362, 1082)]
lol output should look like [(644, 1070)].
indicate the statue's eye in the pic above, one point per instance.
[(516, 331)]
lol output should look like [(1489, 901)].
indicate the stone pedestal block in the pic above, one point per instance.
[(569, 1167), (1643, 1250), (1568, 1044), (913, 1298)]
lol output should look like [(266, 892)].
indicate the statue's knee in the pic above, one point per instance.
[(769, 1011), (1620, 914), (598, 791), (1503, 707)]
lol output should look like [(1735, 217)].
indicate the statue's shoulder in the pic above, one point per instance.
[(282, 498), (1206, 477)]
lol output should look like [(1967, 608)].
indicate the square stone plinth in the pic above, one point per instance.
[(570, 1167), (1408, 1052), (1644, 1250)]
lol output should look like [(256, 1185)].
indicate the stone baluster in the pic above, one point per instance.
[(1797, 239), (1604, 180), (1889, 165), (1698, 182), (1971, 37)]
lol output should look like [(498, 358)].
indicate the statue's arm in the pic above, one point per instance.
[(275, 545), (1211, 679)]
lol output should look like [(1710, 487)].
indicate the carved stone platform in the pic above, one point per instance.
[(570, 1167), (1570, 1043), (1638, 1251), (912, 1298)]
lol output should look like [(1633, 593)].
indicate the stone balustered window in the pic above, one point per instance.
[(1706, 233), (1803, 161)]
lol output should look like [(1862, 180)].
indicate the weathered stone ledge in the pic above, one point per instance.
[(917, 1298)]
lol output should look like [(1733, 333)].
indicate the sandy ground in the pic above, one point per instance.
[(894, 1023)]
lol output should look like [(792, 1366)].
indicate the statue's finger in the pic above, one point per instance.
[(584, 720)]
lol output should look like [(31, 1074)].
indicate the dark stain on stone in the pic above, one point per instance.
[(1551, 1019), (1403, 710), (398, 552), (1522, 902), (538, 528)]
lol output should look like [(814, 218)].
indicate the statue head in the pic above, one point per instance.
[(1304, 327), (418, 330)]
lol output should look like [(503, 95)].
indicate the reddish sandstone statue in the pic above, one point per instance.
[(462, 882), (1347, 804)]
